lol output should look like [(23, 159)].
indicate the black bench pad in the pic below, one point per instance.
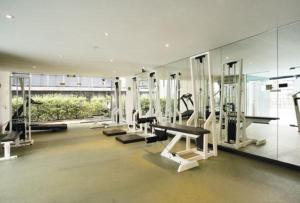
[(181, 128), (130, 138), (261, 118), (113, 132)]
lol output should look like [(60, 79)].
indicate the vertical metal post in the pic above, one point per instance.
[(221, 104), (238, 102), (212, 116), (11, 105), (29, 107)]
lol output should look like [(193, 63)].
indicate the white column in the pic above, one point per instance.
[(4, 99)]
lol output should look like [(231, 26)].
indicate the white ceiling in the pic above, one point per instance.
[(59, 36)]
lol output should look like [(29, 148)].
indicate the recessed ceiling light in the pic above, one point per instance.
[(167, 45), (111, 60), (8, 16), (227, 57), (106, 34)]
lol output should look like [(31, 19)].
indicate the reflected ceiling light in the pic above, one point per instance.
[(111, 60), (167, 45), (8, 16), (106, 34)]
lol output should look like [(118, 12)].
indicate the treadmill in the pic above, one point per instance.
[(19, 126), (187, 98)]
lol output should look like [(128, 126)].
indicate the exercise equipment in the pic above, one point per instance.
[(296, 99), (116, 112), (132, 137), (187, 99), (20, 121), (201, 77), (201, 151), (173, 113), (203, 95), (7, 141), (139, 124), (35, 126), (232, 120)]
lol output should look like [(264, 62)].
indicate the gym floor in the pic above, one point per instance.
[(282, 145), (82, 165)]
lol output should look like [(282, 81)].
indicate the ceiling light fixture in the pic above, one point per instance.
[(111, 60), (227, 57), (8, 16), (34, 67), (167, 45), (106, 34)]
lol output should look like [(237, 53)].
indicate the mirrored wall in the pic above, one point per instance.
[(270, 89)]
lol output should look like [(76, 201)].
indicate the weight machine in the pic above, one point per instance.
[(139, 123), (20, 120), (202, 86), (203, 97), (154, 106), (117, 119), (116, 110), (173, 113), (232, 121), (116, 114), (19, 125)]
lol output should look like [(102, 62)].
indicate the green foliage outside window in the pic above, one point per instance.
[(62, 107)]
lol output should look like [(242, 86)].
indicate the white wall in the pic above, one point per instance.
[(4, 98)]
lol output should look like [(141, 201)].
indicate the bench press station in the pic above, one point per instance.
[(202, 81), (201, 151)]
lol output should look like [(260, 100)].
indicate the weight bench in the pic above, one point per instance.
[(7, 140), (187, 132), (259, 119)]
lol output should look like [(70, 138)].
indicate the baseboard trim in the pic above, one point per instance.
[(261, 158)]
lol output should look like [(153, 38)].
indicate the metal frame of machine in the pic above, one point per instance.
[(173, 113), (199, 133), (232, 120)]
